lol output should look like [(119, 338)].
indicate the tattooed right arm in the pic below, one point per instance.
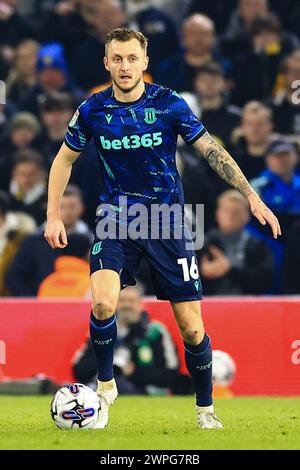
[(223, 164)]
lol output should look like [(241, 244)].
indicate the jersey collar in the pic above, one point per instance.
[(129, 103)]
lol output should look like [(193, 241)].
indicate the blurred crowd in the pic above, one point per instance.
[(237, 64)]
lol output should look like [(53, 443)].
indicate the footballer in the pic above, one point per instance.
[(135, 126)]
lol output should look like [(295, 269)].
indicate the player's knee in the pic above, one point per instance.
[(103, 309), (192, 335)]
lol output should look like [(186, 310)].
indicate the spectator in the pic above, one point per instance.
[(286, 105), (24, 129), (14, 226), (52, 76), (71, 276), (64, 24), (28, 185), (214, 10), (199, 49), (101, 17), (157, 26), (56, 110), (13, 27), (256, 131), (22, 76), (145, 359), (31, 266), (279, 184), (233, 262), (255, 72), (209, 103), (289, 11), (238, 30), (176, 9)]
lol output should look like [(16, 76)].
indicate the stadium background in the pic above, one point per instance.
[(236, 67)]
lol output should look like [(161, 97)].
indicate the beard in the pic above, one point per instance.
[(127, 90)]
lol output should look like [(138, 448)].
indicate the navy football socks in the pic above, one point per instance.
[(103, 335), (199, 364)]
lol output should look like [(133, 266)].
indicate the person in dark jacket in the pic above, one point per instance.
[(22, 132), (35, 259), (27, 186), (63, 23), (199, 48), (233, 262), (56, 110), (235, 41), (255, 133), (13, 26), (255, 71), (22, 77), (209, 103), (146, 360)]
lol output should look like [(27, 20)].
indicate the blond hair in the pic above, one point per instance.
[(124, 35)]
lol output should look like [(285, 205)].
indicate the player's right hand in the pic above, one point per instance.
[(55, 233)]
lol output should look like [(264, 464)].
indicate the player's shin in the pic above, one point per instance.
[(103, 335), (199, 364)]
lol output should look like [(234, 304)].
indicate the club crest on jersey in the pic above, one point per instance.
[(150, 115)]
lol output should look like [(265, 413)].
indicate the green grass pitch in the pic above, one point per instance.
[(155, 423)]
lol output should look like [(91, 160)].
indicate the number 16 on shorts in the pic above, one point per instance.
[(191, 271)]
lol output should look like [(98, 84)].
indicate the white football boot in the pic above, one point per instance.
[(206, 418), (107, 393)]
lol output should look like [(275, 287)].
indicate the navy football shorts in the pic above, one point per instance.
[(174, 269)]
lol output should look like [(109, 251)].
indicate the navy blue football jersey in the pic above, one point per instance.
[(136, 143)]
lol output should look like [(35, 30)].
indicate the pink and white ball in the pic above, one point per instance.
[(75, 406)]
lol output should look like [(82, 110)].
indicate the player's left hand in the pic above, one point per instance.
[(263, 214)]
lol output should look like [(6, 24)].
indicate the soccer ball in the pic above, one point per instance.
[(75, 406), (223, 368)]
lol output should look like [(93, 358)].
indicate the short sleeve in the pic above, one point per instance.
[(187, 124), (77, 136)]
